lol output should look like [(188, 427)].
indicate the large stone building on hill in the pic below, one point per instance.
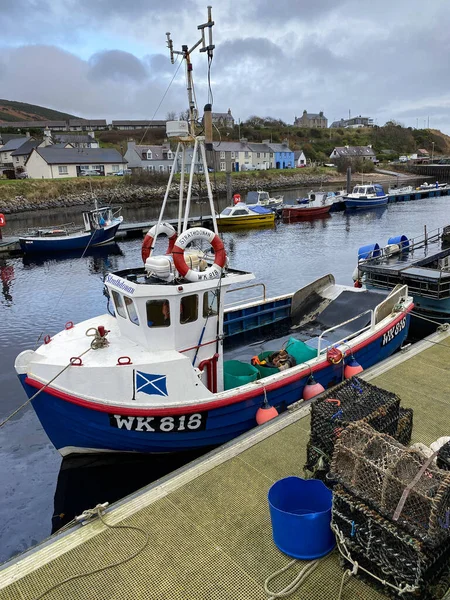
[(311, 120)]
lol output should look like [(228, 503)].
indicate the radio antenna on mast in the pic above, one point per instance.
[(185, 53)]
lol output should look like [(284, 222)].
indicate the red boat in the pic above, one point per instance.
[(305, 211)]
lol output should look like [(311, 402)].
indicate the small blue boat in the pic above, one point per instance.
[(100, 227), (366, 196)]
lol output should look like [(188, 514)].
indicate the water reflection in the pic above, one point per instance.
[(100, 259), (87, 480), (7, 277)]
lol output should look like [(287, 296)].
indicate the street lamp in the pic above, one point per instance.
[(432, 151)]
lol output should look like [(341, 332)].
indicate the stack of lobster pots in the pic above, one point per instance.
[(391, 513), (351, 401)]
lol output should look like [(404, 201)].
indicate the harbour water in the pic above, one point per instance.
[(38, 296)]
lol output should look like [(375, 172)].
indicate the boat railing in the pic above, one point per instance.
[(420, 241), (348, 336), (385, 308), (246, 287), (65, 229)]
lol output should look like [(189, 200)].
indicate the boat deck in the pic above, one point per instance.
[(208, 523)]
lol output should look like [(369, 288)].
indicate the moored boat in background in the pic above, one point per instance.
[(243, 215), (366, 196), (100, 227)]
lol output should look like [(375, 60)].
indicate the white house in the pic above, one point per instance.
[(20, 156), (10, 147), (354, 152), (300, 158), (53, 162)]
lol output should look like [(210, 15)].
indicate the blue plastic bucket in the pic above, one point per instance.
[(369, 251), (300, 511), (401, 240)]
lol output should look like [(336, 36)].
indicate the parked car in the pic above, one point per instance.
[(22, 175), (90, 173)]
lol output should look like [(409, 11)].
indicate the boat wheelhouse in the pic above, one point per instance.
[(261, 198), (366, 196)]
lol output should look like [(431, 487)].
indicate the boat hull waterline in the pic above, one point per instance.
[(77, 425), (78, 241)]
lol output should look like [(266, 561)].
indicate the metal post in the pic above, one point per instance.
[(166, 195), (229, 187), (189, 192), (180, 206), (425, 238), (349, 180), (208, 185)]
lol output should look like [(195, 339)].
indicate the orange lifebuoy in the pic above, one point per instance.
[(147, 244), (220, 257), (2, 220), (334, 356)]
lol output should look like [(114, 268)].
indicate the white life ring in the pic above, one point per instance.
[(220, 257), (147, 244)]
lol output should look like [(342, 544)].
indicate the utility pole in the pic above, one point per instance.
[(432, 151)]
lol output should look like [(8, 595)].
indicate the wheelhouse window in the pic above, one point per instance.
[(119, 304), (226, 212), (131, 310), (158, 313), (240, 211), (189, 309), (211, 303)]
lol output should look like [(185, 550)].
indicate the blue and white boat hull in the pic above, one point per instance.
[(365, 202), (69, 242), (76, 425)]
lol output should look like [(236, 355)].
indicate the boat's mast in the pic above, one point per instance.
[(199, 141)]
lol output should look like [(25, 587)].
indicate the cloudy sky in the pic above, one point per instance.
[(107, 58)]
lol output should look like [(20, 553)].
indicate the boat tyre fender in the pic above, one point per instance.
[(147, 244), (334, 356), (220, 257)]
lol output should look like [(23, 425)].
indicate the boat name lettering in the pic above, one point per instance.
[(120, 284), (192, 422), (393, 332)]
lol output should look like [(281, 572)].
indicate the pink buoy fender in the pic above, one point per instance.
[(352, 368), (2, 220), (266, 413), (236, 198), (220, 257), (312, 388), (147, 244)]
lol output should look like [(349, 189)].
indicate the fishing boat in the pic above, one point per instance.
[(260, 198), (170, 368), (397, 191), (308, 208), (100, 227), (243, 215), (366, 196), (422, 263)]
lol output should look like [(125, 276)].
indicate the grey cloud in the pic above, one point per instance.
[(116, 64)]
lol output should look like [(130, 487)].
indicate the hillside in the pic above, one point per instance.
[(20, 111)]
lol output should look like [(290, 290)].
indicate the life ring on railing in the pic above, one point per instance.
[(147, 244), (220, 257), (334, 356)]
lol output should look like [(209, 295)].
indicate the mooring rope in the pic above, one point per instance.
[(88, 514), (99, 341), (295, 584)]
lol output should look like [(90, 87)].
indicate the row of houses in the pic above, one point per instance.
[(57, 155), (225, 157)]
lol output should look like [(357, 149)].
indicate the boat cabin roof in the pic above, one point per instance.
[(241, 210), (372, 188)]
